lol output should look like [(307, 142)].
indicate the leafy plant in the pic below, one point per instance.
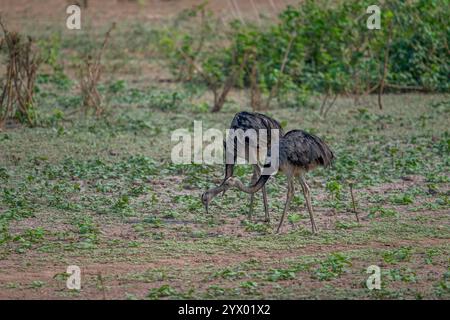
[(398, 255), (403, 274), (280, 274), (334, 188), (332, 267), (229, 274), (382, 212), (163, 291), (256, 227)]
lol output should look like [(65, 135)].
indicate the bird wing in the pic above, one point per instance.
[(304, 149)]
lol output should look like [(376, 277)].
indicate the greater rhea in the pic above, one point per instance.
[(245, 121), (299, 152)]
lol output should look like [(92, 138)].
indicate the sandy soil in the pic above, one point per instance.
[(99, 11)]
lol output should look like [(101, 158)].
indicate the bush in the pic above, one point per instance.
[(322, 48)]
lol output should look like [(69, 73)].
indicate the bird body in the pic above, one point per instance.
[(299, 152), (251, 121), (246, 121)]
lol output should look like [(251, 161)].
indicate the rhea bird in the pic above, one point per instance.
[(246, 121), (299, 152)]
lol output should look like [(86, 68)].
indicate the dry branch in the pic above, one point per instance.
[(90, 73), (330, 105), (353, 202), (275, 88), (219, 101), (385, 67), (23, 61), (220, 92), (255, 91), (326, 106)]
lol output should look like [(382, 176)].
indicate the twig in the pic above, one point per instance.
[(353, 202), (102, 286), (255, 8), (275, 88), (322, 107), (90, 76), (229, 82), (16, 99), (191, 61), (330, 105), (255, 92), (385, 67), (238, 11)]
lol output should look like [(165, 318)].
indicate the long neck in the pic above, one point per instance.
[(216, 190), (254, 188), (228, 171)]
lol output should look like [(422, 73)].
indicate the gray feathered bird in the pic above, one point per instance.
[(245, 121), (299, 152)]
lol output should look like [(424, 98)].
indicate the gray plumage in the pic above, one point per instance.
[(304, 150), (299, 152), (245, 121), (251, 120)]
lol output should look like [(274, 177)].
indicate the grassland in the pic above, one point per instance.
[(103, 194)]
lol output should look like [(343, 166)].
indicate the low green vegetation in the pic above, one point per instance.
[(102, 192)]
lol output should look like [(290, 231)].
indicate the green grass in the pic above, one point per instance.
[(104, 195)]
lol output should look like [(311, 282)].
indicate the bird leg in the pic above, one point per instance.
[(255, 177), (307, 194), (264, 192), (266, 206), (290, 193)]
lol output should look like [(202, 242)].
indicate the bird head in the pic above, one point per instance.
[(207, 196)]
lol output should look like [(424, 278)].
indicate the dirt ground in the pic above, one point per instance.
[(101, 11), (159, 243)]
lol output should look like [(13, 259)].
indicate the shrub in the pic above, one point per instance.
[(322, 48)]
